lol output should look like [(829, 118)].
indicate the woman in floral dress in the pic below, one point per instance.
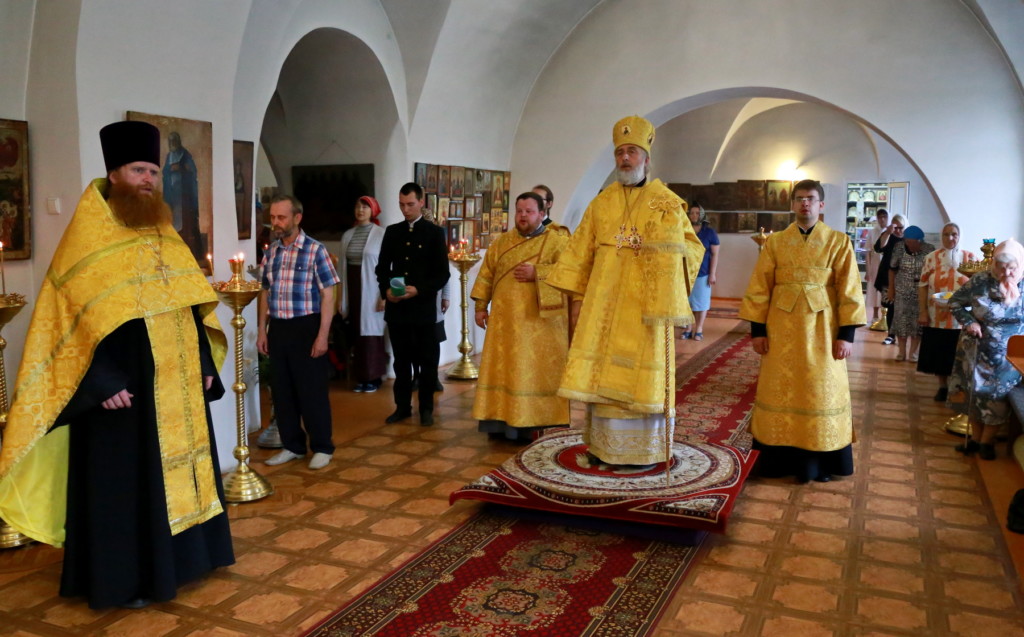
[(904, 277), (991, 309)]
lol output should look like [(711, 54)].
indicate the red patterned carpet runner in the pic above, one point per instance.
[(500, 577), (711, 457)]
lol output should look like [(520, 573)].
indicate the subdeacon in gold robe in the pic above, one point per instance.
[(804, 287), (527, 333), (632, 298)]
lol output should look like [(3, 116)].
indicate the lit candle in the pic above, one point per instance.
[(209, 262), (3, 277)]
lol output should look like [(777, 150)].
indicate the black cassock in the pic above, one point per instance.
[(118, 543)]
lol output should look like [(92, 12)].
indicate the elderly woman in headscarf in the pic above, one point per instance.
[(361, 304), (990, 306), (939, 330), (904, 276), (700, 295)]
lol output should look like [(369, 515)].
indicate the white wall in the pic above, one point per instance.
[(937, 88)]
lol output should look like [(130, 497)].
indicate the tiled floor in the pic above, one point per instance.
[(910, 545)]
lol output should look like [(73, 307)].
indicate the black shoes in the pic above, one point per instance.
[(136, 603), (968, 448), (398, 416), (942, 395), (888, 340), (426, 417), (984, 451)]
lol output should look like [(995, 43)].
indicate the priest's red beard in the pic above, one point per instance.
[(135, 209)]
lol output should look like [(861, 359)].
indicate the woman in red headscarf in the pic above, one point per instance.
[(361, 304)]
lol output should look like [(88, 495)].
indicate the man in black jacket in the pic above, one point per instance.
[(413, 268)]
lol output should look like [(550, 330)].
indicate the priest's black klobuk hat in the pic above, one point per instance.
[(127, 142)]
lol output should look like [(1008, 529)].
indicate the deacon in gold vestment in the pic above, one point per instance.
[(108, 448), (804, 302), (633, 259), (527, 330)]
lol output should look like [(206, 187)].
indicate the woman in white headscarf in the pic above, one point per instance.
[(991, 308), (940, 331)]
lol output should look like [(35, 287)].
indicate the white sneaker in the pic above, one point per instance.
[(270, 438), (319, 460), (282, 457)]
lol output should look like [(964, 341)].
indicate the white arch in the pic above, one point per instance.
[(274, 28)]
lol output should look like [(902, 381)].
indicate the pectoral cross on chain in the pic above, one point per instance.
[(633, 240)]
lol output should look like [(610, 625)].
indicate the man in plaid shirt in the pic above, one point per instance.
[(298, 300)]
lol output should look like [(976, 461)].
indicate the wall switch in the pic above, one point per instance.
[(53, 205)]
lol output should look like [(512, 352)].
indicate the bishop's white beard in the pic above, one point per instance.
[(631, 177)]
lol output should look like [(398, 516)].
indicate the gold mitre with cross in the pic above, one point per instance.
[(634, 130)]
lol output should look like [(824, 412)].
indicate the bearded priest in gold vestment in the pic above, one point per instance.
[(804, 302), (633, 259), (109, 449), (527, 330)]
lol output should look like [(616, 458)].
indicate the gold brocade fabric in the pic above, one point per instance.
[(617, 357), (104, 274), (804, 288), (527, 334)]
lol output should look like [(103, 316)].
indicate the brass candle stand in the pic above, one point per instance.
[(959, 424), (970, 268), (760, 239), (244, 484), (465, 369), (10, 305)]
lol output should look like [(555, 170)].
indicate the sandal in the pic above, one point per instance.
[(699, 336), (685, 335)]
